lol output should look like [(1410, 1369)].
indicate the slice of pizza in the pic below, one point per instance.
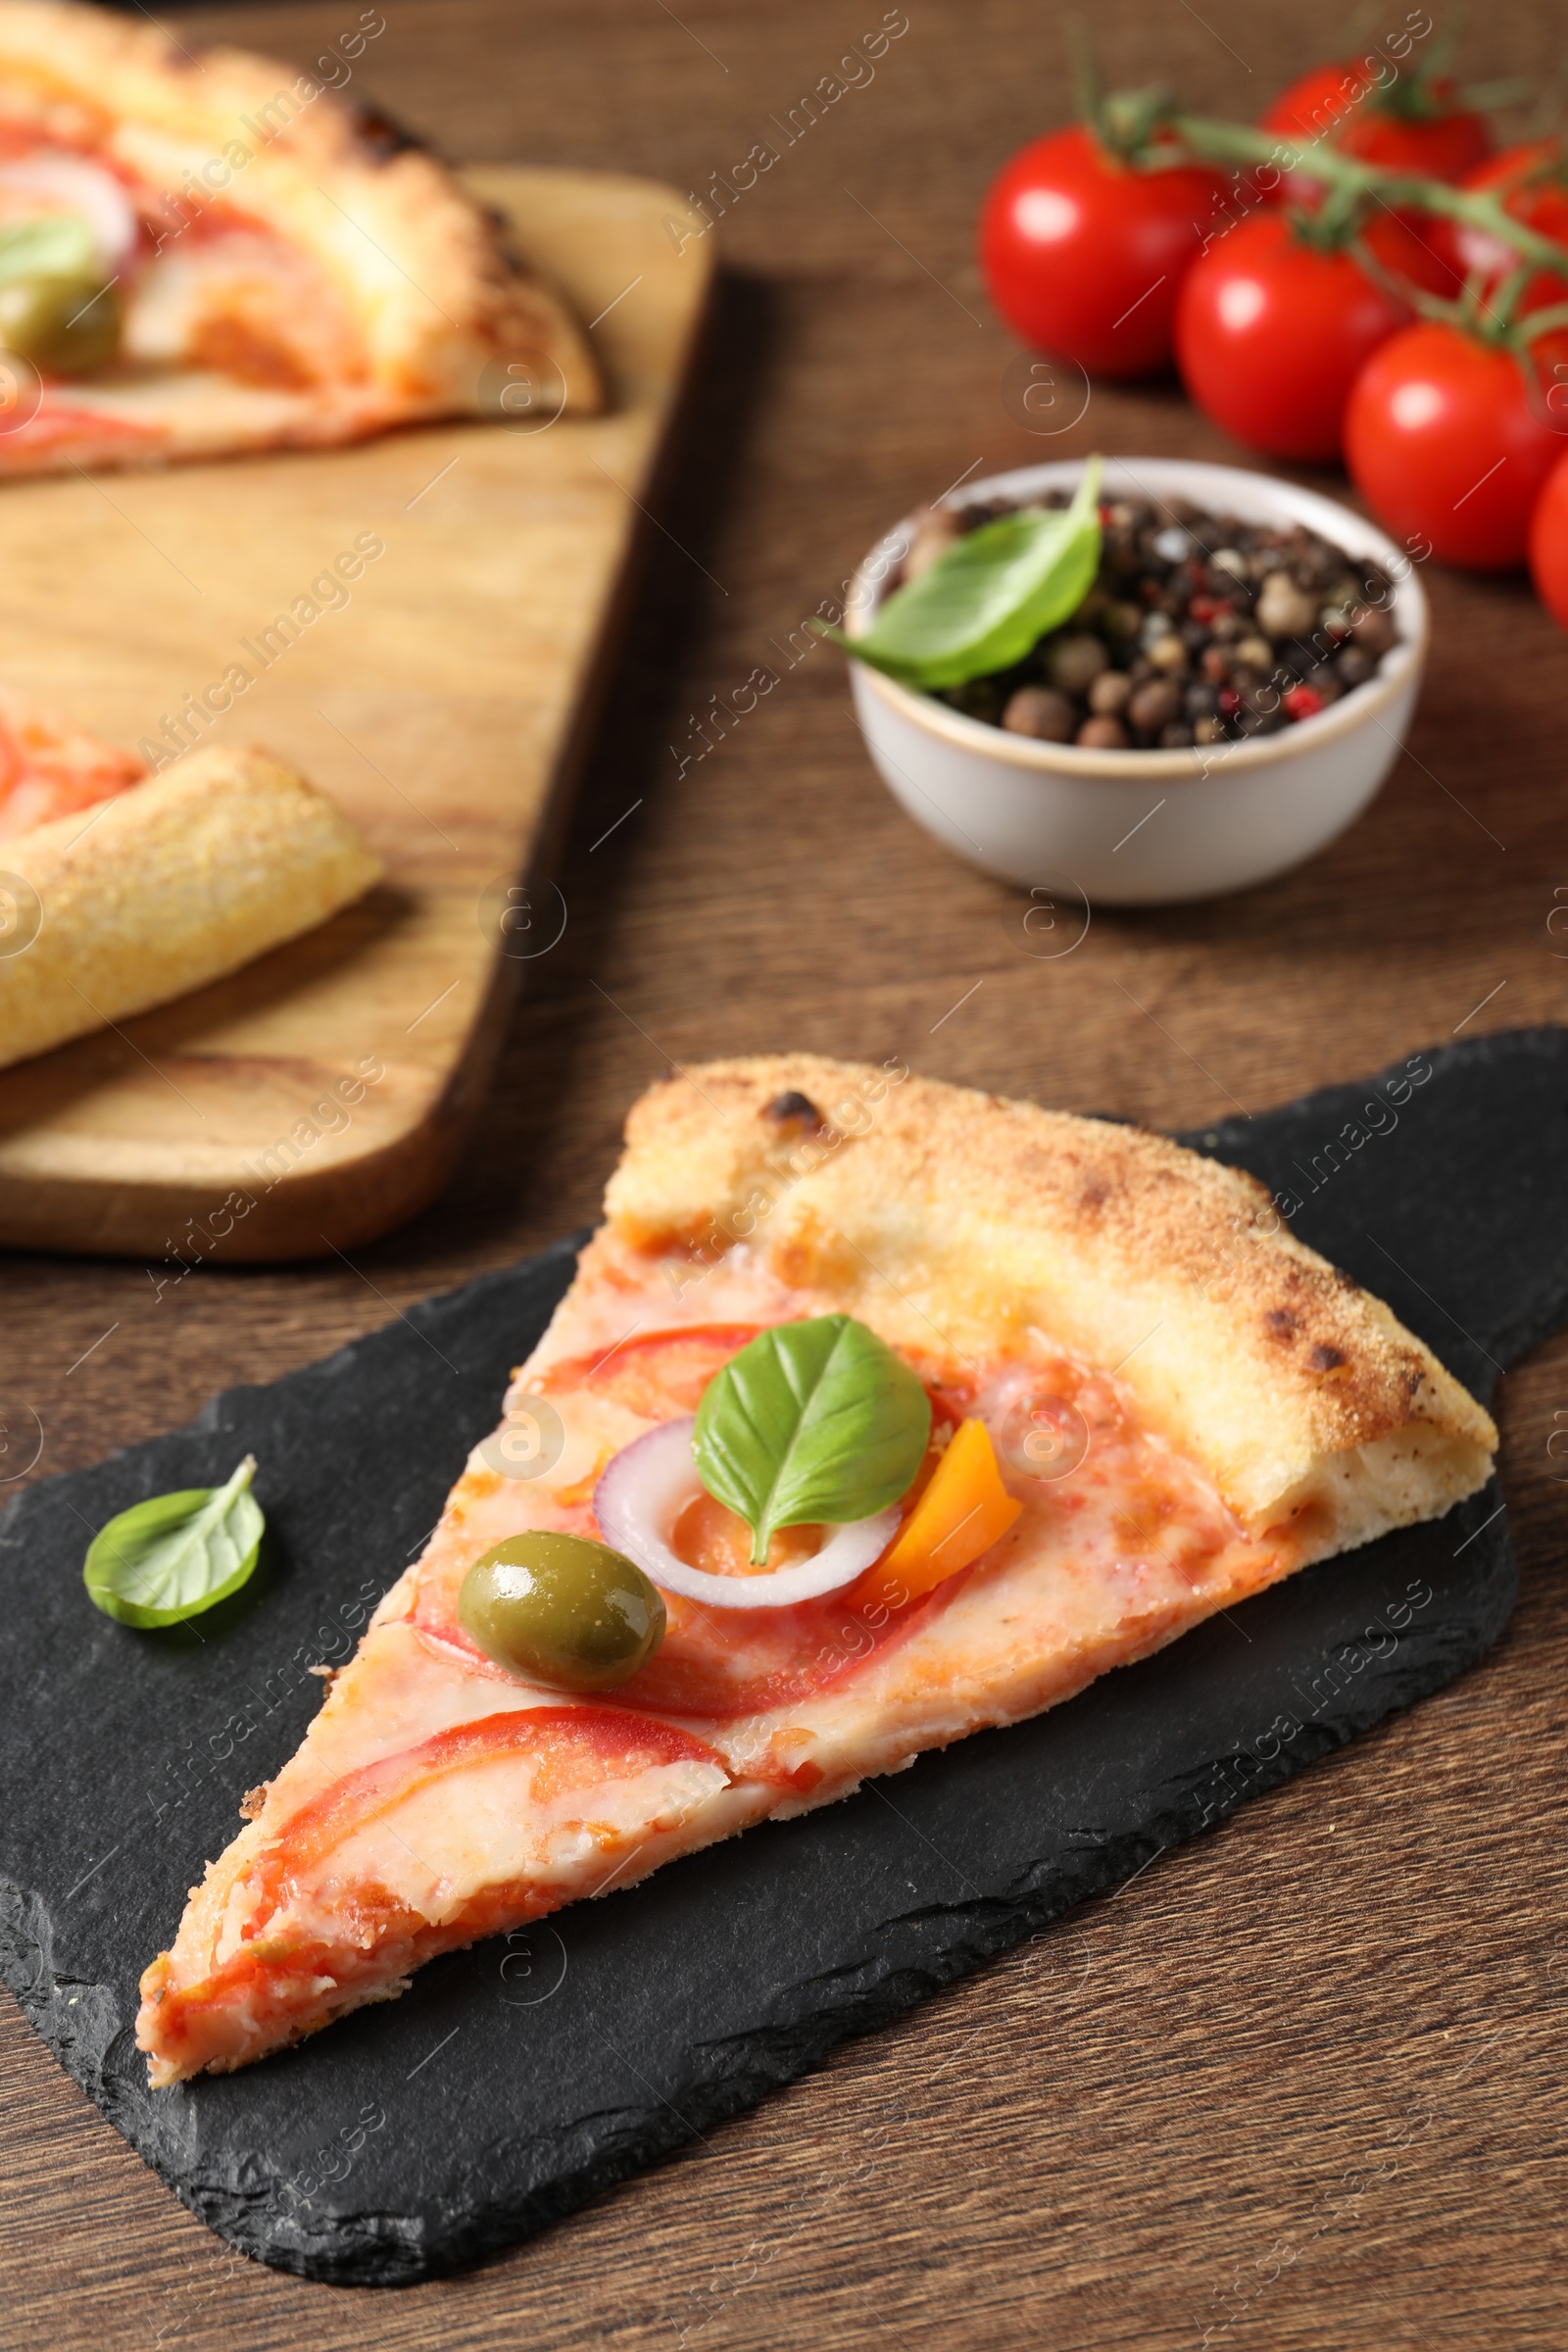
[(121, 890), (135, 890), (878, 1412), (204, 254)]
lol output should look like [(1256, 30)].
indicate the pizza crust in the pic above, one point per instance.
[(955, 1220), (432, 293), (166, 886)]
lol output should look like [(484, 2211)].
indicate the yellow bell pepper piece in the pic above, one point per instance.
[(962, 1512)]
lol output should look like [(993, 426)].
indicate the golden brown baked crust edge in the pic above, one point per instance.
[(952, 1219)]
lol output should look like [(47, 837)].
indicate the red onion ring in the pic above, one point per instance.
[(643, 1491)]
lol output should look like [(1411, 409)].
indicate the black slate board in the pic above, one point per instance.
[(519, 2078)]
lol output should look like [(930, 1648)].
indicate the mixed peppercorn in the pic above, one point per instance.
[(1199, 628)]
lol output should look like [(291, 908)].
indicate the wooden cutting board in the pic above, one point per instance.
[(320, 1095)]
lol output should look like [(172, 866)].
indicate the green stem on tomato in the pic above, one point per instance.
[(1123, 122), (1548, 322), (1239, 143), (1489, 97), (1490, 321)]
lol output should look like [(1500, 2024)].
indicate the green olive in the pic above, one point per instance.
[(561, 1609), (65, 324)]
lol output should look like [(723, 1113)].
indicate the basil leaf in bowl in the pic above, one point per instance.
[(175, 1555), (812, 1421), (990, 598)]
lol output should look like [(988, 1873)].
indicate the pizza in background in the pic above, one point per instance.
[(210, 253), (121, 890)]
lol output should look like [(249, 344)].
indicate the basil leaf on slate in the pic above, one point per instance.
[(175, 1555), (810, 1421), (54, 245), (990, 598)]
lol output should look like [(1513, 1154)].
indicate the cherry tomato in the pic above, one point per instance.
[(1549, 542), (1347, 104), (1448, 441), (1414, 246), (1529, 182), (1271, 333), (1415, 123), (1083, 255)]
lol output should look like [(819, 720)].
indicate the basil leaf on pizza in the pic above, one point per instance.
[(811, 1421), (175, 1555), (990, 598)]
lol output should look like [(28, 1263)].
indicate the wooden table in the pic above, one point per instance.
[(1127, 2132)]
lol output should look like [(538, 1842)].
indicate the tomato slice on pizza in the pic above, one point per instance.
[(205, 254), (50, 769), (908, 1411)]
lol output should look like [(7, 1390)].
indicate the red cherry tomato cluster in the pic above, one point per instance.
[(1432, 131), (1310, 316)]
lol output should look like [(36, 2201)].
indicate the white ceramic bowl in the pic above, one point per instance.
[(1143, 828)]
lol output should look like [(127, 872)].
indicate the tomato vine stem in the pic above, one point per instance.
[(1352, 185)]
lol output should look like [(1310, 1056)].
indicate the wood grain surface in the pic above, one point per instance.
[(1140, 2126), (442, 701)]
